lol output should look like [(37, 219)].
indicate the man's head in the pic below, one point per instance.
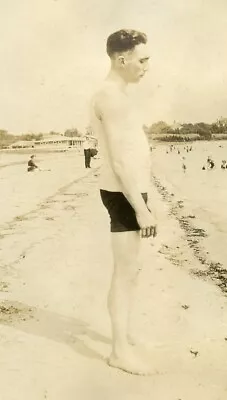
[(33, 156), (129, 54)]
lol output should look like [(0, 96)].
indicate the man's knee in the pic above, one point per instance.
[(126, 246), (127, 268)]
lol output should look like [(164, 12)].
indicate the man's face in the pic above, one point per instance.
[(135, 63)]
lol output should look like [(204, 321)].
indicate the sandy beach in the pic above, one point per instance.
[(55, 270)]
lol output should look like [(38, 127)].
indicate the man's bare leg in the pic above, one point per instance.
[(132, 302), (126, 248)]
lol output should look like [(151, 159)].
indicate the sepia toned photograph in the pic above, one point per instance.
[(113, 200)]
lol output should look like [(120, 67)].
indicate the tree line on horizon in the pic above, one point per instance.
[(204, 131), (159, 130)]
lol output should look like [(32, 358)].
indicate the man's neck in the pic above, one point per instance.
[(114, 76)]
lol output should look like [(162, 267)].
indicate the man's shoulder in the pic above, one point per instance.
[(109, 92), (109, 98)]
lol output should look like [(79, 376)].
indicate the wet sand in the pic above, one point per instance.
[(55, 271), (199, 201)]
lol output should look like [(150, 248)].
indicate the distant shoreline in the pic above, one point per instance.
[(182, 139), (30, 150)]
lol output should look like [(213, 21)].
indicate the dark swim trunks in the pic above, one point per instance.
[(122, 215)]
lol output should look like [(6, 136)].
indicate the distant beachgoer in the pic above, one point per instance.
[(178, 151), (184, 167), (31, 164), (203, 168), (210, 163), (223, 164), (87, 152)]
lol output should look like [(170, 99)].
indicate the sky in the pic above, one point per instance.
[(52, 59)]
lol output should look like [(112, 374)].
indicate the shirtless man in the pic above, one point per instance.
[(124, 184)]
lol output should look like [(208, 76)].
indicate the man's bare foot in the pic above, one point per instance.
[(132, 363)]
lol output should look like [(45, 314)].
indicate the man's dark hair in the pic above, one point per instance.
[(124, 40)]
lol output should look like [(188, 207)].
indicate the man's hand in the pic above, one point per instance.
[(148, 224)]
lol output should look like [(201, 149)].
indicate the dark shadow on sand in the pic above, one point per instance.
[(53, 326)]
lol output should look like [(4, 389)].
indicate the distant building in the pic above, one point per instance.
[(176, 125), (59, 141), (54, 142), (222, 121), (23, 144)]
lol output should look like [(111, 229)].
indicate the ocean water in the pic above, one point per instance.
[(204, 193)]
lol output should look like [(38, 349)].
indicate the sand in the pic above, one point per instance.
[(55, 272)]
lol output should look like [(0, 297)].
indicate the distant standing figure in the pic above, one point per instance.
[(223, 164), (87, 152), (31, 164), (184, 167)]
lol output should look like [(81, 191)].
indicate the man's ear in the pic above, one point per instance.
[(121, 60)]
